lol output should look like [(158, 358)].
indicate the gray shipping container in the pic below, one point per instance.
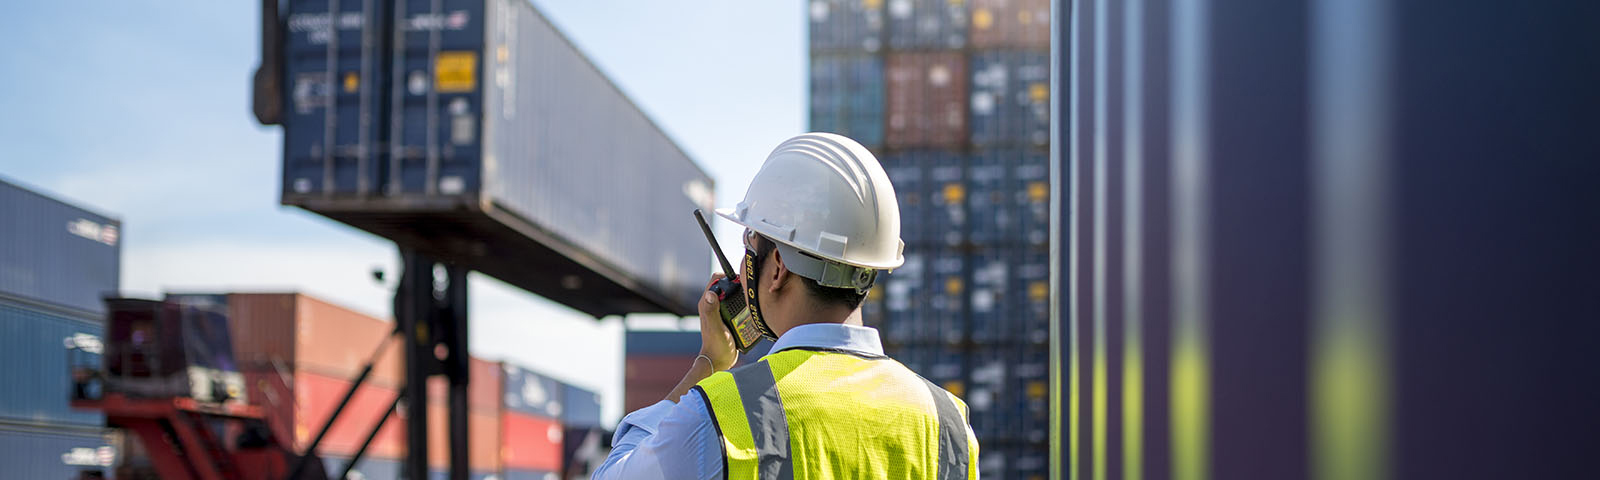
[(480, 135), (37, 347), (55, 253)]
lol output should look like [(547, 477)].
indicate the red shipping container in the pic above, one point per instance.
[(483, 387), (315, 398), (483, 439), (1010, 23), (926, 100), (529, 442), (648, 379), (299, 333)]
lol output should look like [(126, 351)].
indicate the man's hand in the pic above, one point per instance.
[(716, 342)]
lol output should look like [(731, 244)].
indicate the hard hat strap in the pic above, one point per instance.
[(826, 273)]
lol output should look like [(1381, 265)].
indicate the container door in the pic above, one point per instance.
[(333, 74), (438, 98)]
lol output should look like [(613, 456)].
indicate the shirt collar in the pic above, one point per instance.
[(831, 336)]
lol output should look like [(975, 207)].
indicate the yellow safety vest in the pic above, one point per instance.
[(820, 414)]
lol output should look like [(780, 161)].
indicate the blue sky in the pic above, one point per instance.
[(141, 110)]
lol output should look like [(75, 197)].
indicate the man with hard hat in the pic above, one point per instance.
[(820, 222)]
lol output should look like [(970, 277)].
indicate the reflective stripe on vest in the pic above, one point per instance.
[(828, 415)]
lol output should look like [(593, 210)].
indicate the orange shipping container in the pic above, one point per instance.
[(483, 387), (298, 333), (926, 100), (529, 442), (315, 397)]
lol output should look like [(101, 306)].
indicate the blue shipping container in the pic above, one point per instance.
[(385, 469), (989, 198), (917, 24), (903, 300), (580, 407), (507, 151), (35, 348), (1010, 98), (528, 392), (847, 97), (1029, 182), (946, 315), (947, 187), (56, 454), (57, 254), (847, 25), (1030, 296), (993, 313), (908, 174)]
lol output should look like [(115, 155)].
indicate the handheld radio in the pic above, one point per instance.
[(730, 297)]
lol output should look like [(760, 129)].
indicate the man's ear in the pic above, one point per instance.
[(779, 272)]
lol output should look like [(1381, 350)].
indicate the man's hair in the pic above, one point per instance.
[(825, 296)]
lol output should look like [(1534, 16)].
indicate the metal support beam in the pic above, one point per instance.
[(431, 308)]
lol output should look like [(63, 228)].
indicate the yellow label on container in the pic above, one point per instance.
[(455, 72), (1037, 389), (1039, 192), (955, 387), (1039, 92), (352, 81), (1039, 291), (872, 3), (982, 19), (954, 193), (953, 286)]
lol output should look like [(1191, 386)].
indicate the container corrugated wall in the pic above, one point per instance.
[(933, 24), (35, 384), (847, 96), (926, 100), (848, 25), (56, 254)]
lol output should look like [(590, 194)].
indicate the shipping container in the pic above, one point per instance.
[(945, 319), (315, 396), (661, 342), (850, 25), (55, 253), (521, 474), (581, 407), (389, 469), (947, 190), (903, 300), (926, 102), (484, 439), (1010, 98), (847, 97), (37, 348), (907, 174), (483, 137), (1029, 180), (530, 442), (299, 333), (531, 393), (927, 24), (1010, 23), (484, 380), (1030, 295), (989, 198), (61, 453), (994, 319)]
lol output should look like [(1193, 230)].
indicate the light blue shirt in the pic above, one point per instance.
[(678, 440)]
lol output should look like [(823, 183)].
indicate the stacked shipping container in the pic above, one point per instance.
[(299, 354), (964, 95), (56, 260), (656, 361)]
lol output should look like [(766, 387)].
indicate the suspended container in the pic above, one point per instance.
[(927, 24), (847, 97), (478, 134)]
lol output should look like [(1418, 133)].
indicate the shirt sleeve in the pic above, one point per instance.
[(665, 440)]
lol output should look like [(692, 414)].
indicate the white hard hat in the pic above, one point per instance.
[(825, 197)]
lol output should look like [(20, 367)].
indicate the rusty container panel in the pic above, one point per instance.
[(1010, 23), (337, 342), (263, 326), (927, 100), (530, 442)]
